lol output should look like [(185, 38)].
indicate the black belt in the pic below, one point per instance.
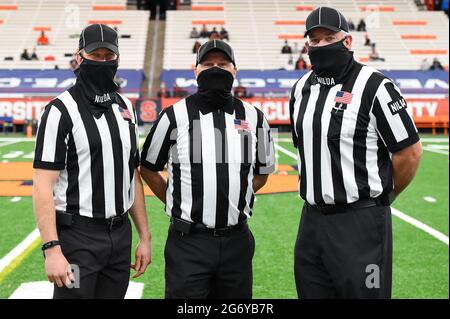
[(342, 208), (67, 219), (185, 227)]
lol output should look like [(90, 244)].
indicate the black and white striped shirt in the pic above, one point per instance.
[(97, 157), (344, 148), (210, 173)]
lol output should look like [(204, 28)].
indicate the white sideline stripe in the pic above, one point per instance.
[(286, 151), (17, 139), (44, 290), (15, 252), (282, 139), (434, 140), (434, 150), (431, 231), (425, 139), (6, 143)]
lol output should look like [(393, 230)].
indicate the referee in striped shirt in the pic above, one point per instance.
[(358, 149), (219, 153), (86, 161)]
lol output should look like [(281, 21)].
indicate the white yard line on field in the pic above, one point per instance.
[(435, 150), (434, 140), (6, 143), (431, 231), (18, 253), (416, 223), (17, 139), (285, 151)]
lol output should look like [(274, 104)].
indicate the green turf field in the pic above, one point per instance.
[(421, 261)]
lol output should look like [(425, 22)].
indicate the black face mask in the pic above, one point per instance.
[(330, 62), (96, 79), (214, 86)]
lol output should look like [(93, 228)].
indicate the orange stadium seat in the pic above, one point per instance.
[(363, 59), (208, 22), (207, 8), (1, 21), (8, 7), (42, 28), (304, 8), (290, 36), (49, 58), (109, 22), (428, 51), (418, 36), (289, 22), (409, 22), (110, 7), (378, 8)]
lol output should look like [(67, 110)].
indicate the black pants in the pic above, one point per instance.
[(200, 266), (344, 255), (103, 258)]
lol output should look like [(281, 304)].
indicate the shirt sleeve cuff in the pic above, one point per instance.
[(151, 166), (404, 144), (49, 165)]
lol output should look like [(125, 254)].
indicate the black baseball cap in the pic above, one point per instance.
[(99, 36), (325, 17), (215, 45)]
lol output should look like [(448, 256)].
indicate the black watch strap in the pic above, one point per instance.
[(50, 244)]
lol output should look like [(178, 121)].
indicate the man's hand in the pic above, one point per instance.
[(143, 257), (57, 267)]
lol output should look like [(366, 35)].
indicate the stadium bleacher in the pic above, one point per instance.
[(404, 36), (22, 20)]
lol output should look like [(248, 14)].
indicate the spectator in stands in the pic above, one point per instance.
[(286, 48), (25, 56), (42, 40), (366, 40), (204, 33), (197, 46), (224, 34), (436, 65), (361, 26), (300, 64), (425, 65), (374, 55), (73, 64), (178, 92), (142, 4), (304, 50), (214, 35), (34, 55), (240, 91), (351, 25), (194, 33), (295, 50), (289, 66), (161, 5)]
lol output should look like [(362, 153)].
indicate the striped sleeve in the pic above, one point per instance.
[(155, 153), (52, 136), (394, 123), (137, 156), (291, 114), (265, 151)]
